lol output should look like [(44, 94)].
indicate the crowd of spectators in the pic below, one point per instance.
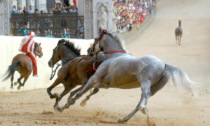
[(60, 7), (131, 13)]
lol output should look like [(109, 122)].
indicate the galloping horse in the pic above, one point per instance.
[(23, 64), (178, 33), (76, 69), (122, 70)]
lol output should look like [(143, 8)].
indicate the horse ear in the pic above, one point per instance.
[(39, 44)]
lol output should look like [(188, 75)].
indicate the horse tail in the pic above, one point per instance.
[(11, 69), (179, 77)]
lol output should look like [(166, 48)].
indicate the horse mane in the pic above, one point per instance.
[(35, 45), (70, 45), (119, 40)]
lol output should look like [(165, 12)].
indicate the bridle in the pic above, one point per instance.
[(35, 52), (98, 42), (55, 50)]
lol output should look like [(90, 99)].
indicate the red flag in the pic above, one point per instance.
[(75, 3)]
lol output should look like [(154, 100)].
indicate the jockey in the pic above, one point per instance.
[(91, 50), (27, 46)]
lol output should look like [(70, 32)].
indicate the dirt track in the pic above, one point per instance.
[(168, 107)]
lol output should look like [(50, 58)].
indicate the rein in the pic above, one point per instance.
[(54, 71), (58, 65), (114, 51)]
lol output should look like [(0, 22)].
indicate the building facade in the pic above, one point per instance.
[(6, 7)]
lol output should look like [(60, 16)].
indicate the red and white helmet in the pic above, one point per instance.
[(31, 34)]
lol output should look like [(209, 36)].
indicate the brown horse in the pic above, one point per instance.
[(23, 64), (178, 33), (76, 69)]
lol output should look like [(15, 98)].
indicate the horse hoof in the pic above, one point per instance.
[(83, 103), (52, 96), (56, 95), (11, 87), (121, 120), (18, 87), (60, 109), (144, 110), (56, 108)]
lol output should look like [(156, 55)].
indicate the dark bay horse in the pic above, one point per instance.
[(178, 33), (76, 69), (23, 64), (122, 70)]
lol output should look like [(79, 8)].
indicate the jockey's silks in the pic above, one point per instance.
[(27, 44)]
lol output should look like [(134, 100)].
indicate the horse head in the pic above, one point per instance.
[(111, 42), (64, 51), (38, 50)]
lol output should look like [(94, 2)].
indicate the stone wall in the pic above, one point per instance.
[(4, 17), (91, 11)]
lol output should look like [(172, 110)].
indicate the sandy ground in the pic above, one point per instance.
[(169, 107)]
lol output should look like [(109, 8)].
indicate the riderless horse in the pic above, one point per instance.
[(122, 70), (76, 69), (178, 33), (23, 64)]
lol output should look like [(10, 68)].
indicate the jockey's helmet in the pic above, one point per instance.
[(31, 34)]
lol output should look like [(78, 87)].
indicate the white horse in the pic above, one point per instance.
[(178, 33), (122, 70)]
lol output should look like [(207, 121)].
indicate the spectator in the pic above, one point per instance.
[(25, 11), (23, 30), (73, 9), (38, 33), (81, 36), (48, 33), (141, 19), (66, 33), (19, 11), (57, 8), (58, 3), (66, 3), (63, 10), (30, 11), (45, 33), (150, 11), (41, 12), (48, 20), (14, 10), (20, 31), (51, 34), (36, 11), (81, 27)]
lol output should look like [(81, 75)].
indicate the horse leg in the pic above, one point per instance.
[(12, 78), (145, 87), (24, 81), (65, 91), (73, 93), (83, 103), (19, 82), (91, 82), (179, 40), (49, 89)]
